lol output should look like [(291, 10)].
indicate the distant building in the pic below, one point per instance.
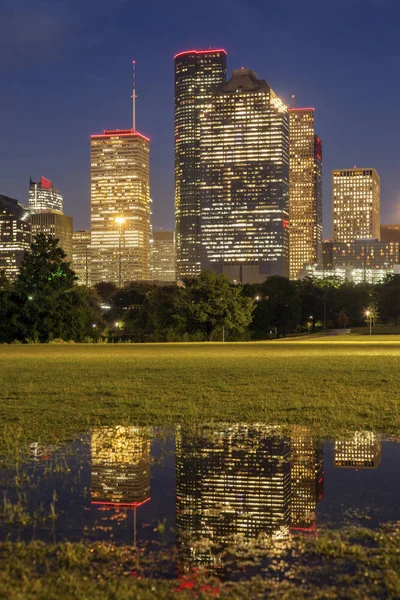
[(197, 74), (362, 450), (305, 191), (350, 274), (120, 207), (244, 180), (15, 235), (163, 258), (81, 256), (56, 225), (390, 233), (327, 254), (356, 204), (366, 254), (43, 195)]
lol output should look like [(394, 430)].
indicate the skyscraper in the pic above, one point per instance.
[(56, 225), (244, 180), (305, 191), (43, 195), (163, 257), (356, 204), (120, 206), (390, 233), (15, 235), (81, 256), (197, 74)]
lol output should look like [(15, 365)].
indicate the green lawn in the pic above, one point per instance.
[(332, 383)]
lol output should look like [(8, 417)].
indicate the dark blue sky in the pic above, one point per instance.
[(65, 69)]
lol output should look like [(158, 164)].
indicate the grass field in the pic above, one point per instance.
[(332, 383)]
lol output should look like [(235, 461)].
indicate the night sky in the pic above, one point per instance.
[(65, 70)]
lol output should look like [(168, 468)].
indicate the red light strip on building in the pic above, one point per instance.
[(211, 51), (119, 132), (299, 109), (121, 504)]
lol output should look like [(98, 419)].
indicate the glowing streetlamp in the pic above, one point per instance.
[(120, 220), (369, 317)]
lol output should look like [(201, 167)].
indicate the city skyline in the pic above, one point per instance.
[(343, 105)]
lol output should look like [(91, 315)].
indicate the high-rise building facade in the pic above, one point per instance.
[(56, 225), (327, 254), (43, 195), (163, 257), (305, 191), (81, 256), (244, 181), (15, 235), (197, 74), (356, 204), (120, 207)]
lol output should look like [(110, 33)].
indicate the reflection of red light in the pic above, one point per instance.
[(122, 504), (211, 51), (300, 109), (120, 133), (285, 223)]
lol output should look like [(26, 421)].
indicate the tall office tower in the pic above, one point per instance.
[(120, 465), (244, 181), (81, 256), (197, 74), (307, 478), (232, 483), (356, 204), (305, 191), (362, 450), (163, 257), (15, 235), (43, 195), (366, 254), (390, 233), (56, 225), (120, 207)]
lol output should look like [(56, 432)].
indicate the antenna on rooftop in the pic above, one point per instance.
[(293, 100), (134, 95)]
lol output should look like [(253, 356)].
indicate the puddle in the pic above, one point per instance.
[(227, 498)]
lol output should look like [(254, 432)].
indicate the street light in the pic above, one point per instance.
[(120, 220), (369, 317)]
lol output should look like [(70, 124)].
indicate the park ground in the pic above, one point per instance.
[(49, 393)]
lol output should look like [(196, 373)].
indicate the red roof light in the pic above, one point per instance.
[(210, 51)]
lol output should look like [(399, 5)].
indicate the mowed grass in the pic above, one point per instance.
[(48, 392)]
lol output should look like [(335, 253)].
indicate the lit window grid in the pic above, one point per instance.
[(81, 258), (244, 158), (356, 204), (120, 186)]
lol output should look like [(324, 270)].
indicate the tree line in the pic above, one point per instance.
[(45, 304)]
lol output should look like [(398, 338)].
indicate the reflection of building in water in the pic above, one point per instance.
[(120, 465), (362, 450), (307, 470), (232, 483)]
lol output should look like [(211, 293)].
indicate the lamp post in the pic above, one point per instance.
[(369, 316), (120, 221)]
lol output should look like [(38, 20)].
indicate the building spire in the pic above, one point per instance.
[(134, 95)]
